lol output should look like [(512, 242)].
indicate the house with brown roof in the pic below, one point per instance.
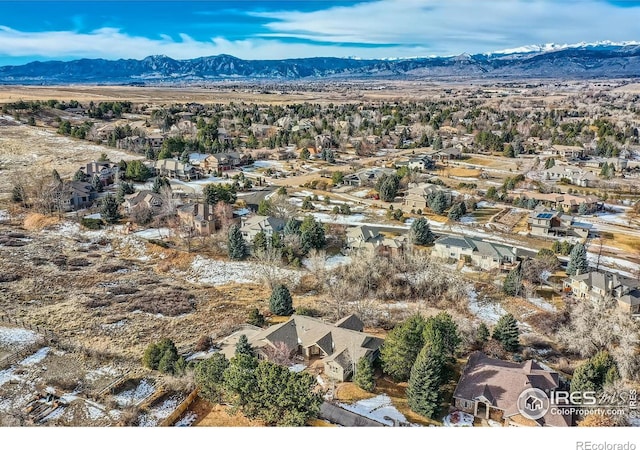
[(149, 198), (369, 239), (173, 168), (199, 216), (490, 388), (74, 195), (597, 286), (337, 346)]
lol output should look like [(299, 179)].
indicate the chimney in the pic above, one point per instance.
[(195, 209), (205, 211)]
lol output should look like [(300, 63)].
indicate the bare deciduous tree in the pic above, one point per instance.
[(280, 354)]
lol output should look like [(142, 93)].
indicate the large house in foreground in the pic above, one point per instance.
[(598, 286), (482, 254), (338, 346), (489, 389)]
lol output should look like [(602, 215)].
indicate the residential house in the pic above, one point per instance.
[(576, 175), (218, 162), (569, 202), (491, 389), (369, 239), (366, 177), (422, 163), (173, 168), (253, 225), (565, 152), (199, 216), (482, 254), (155, 140), (548, 223), (105, 170), (149, 198), (417, 195), (74, 195), (599, 285), (337, 346)]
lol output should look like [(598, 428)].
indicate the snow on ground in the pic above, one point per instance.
[(17, 337), (376, 408), (36, 357), (201, 355), (134, 396), (620, 219), (458, 419), (187, 420), (360, 194), (484, 310), (154, 233), (297, 368), (467, 219), (542, 303), (622, 266), (94, 413), (493, 423), (331, 262), (352, 219), (160, 412), (4, 215), (106, 371), (205, 270), (485, 204)]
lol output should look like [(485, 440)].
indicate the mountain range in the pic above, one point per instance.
[(601, 60)]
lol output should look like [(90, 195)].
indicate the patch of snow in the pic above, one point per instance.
[(331, 262), (201, 355), (114, 325), (204, 270), (297, 368), (36, 357), (458, 419), (93, 216), (242, 211), (4, 215), (58, 412), (320, 380), (485, 204), (484, 310), (493, 423), (468, 219), (106, 371), (154, 233), (134, 396), (360, 194), (187, 420), (17, 337), (160, 412), (377, 408), (7, 375), (542, 303)]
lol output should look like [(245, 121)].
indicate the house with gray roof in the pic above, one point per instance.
[(482, 254), (490, 389), (369, 239), (337, 346), (549, 223), (599, 285), (252, 225)]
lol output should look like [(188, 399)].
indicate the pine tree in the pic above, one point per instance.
[(482, 333), (583, 209), (421, 232), (401, 347), (387, 186), (578, 260), (305, 154), (209, 377), (255, 318), (442, 330), (423, 390), (507, 333), (259, 241), (109, 209), (312, 234), (438, 202), (513, 282), (364, 375), (237, 247), (291, 227), (243, 347), (157, 184), (549, 163), (456, 212), (96, 183), (79, 175), (280, 302), (264, 207)]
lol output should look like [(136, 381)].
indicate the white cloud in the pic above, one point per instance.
[(386, 28), (456, 26)]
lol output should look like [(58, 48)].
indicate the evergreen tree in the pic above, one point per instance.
[(239, 379), (456, 212), (594, 374), (255, 318), (79, 175), (157, 185), (549, 163), (423, 390), (513, 282), (243, 347), (209, 377), (259, 241), (482, 333), (532, 203), (137, 171), (443, 331), (291, 227), (307, 204), (364, 375), (280, 302), (264, 207), (507, 333), (96, 183), (421, 232), (237, 247), (109, 209), (312, 234), (387, 187), (305, 154), (578, 260), (401, 347), (438, 202), (583, 209), (124, 189)]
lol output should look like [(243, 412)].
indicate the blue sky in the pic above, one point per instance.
[(44, 30)]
